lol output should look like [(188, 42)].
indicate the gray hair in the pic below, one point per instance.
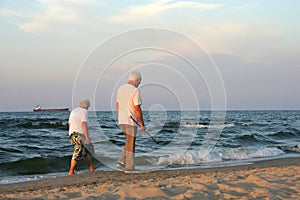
[(85, 103), (135, 76)]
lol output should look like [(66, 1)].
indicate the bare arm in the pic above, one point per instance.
[(85, 131), (139, 114), (117, 107)]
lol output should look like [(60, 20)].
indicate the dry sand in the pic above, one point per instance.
[(275, 179)]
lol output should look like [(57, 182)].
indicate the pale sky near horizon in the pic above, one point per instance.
[(255, 45)]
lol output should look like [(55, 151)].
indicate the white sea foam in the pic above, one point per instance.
[(191, 157), (246, 124), (191, 125), (251, 152)]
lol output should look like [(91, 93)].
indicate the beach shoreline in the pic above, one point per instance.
[(266, 178)]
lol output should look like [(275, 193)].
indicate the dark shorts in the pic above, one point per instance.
[(78, 139)]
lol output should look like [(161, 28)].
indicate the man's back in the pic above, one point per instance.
[(77, 116), (128, 96)]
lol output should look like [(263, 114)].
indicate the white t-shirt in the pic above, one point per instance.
[(128, 96), (77, 116)]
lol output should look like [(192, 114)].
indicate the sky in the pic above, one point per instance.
[(192, 54)]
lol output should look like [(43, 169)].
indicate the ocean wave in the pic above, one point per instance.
[(165, 130), (171, 125), (247, 124), (44, 138), (243, 153), (191, 125), (286, 134), (293, 149), (248, 138), (39, 165), (40, 123), (108, 126), (192, 157), (44, 125), (10, 150)]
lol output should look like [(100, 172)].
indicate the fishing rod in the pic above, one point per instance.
[(154, 140)]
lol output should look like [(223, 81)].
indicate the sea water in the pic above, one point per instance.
[(36, 145)]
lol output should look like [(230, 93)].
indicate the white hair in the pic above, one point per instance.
[(135, 76), (85, 103)]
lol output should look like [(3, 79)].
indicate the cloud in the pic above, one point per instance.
[(156, 8), (55, 12), (54, 17), (11, 13)]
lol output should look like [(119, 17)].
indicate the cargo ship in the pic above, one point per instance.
[(39, 109)]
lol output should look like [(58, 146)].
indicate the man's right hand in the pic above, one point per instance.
[(143, 128)]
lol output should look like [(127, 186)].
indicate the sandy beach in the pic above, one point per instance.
[(273, 179)]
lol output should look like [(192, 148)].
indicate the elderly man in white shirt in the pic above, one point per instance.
[(78, 132), (129, 104)]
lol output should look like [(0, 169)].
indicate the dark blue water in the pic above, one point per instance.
[(36, 145)]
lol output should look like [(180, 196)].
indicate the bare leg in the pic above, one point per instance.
[(87, 159), (72, 167)]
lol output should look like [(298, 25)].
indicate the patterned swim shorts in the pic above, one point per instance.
[(78, 139)]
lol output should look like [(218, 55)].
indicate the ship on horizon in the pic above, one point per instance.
[(38, 108)]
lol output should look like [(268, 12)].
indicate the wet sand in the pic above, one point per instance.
[(273, 179)]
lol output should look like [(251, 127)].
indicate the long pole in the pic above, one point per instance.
[(154, 140)]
